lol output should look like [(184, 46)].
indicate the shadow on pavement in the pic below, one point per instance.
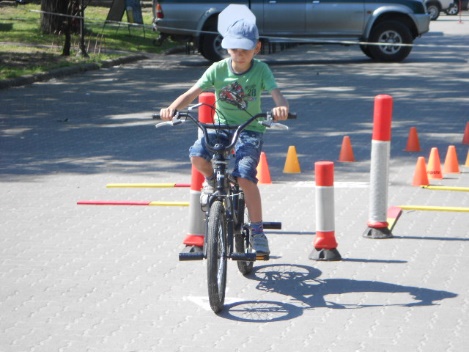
[(302, 287)]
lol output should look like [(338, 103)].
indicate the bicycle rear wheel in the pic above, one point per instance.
[(216, 256), (242, 243)]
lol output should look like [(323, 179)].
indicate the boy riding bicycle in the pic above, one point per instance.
[(238, 82)]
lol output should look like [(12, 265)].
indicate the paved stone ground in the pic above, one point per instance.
[(88, 278)]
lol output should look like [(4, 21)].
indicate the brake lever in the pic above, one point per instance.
[(270, 123), (193, 107), (161, 124), (278, 126), (174, 121)]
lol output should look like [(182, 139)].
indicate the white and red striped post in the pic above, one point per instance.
[(195, 236), (325, 244), (379, 169)]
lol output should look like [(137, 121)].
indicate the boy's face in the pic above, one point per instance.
[(244, 56)]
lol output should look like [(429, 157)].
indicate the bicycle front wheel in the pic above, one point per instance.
[(216, 256), (242, 243)]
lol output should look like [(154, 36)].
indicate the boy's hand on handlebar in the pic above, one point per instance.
[(280, 113), (167, 114)]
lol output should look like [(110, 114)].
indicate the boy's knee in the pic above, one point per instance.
[(198, 160)]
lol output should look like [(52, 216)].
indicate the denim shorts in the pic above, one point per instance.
[(247, 151)]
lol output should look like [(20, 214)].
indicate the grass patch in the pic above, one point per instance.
[(25, 50), (16, 61)]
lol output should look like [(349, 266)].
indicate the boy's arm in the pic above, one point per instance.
[(281, 109), (181, 102)]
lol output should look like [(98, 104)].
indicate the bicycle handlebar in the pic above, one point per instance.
[(268, 122)]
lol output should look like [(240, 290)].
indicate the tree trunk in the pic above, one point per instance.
[(51, 23), (68, 39)]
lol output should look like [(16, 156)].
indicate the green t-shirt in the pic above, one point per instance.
[(238, 92)]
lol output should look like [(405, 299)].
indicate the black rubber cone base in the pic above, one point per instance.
[(325, 255), (377, 233)]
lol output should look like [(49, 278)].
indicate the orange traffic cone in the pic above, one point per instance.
[(420, 174), (434, 165), (413, 144), (467, 159), (263, 173), (451, 161), (465, 139), (292, 165), (346, 151)]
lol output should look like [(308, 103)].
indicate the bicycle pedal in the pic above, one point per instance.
[(191, 253), (190, 256), (262, 257), (272, 225), (248, 257)]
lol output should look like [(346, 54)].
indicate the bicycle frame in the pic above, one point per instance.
[(220, 160), (224, 218), (228, 192)]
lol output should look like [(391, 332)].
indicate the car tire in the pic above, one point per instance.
[(452, 10), (366, 50), (392, 32), (210, 44), (434, 11)]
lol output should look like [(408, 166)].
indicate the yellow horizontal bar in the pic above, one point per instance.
[(434, 208), (169, 204), (140, 185), (447, 188)]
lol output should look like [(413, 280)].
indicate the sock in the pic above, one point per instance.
[(257, 228), (210, 181)]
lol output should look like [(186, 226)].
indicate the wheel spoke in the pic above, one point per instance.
[(390, 38)]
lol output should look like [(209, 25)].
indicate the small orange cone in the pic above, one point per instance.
[(292, 165), (346, 151), (413, 144), (465, 139), (434, 165), (420, 174), (451, 161), (263, 173), (467, 159)]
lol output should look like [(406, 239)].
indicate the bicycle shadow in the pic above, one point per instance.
[(301, 285)]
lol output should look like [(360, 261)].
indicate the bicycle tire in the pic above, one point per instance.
[(242, 243), (216, 256)]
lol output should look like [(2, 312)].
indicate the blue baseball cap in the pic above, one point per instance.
[(241, 35)]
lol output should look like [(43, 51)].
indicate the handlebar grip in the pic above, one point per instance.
[(291, 115), (157, 116)]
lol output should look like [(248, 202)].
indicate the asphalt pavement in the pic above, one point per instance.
[(107, 278)]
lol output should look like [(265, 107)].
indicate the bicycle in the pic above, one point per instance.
[(227, 233)]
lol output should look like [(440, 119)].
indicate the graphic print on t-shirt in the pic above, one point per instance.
[(234, 94)]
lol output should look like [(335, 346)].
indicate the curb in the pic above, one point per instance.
[(67, 71)]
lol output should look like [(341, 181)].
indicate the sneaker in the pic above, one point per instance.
[(260, 244), (208, 187)]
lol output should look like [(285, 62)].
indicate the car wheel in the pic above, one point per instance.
[(434, 11), (366, 50), (392, 34), (210, 45), (452, 10)]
